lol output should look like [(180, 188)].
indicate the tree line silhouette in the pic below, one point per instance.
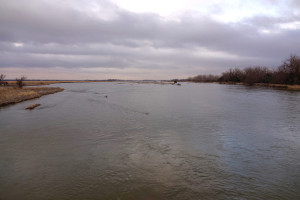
[(287, 73)]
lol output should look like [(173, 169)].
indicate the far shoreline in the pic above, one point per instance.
[(10, 94), (266, 85), (49, 82)]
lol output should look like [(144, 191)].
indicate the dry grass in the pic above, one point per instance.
[(33, 106), (11, 95), (280, 86), (294, 87)]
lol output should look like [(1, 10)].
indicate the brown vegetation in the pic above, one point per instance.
[(33, 106), (20, 81), (11, 95), (205, 78), (286, 75), (249, 76)]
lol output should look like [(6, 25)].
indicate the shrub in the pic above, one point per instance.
[(257, 75), (291, 70), (287, 73), (232, 75), (20, 81), (205, 78)]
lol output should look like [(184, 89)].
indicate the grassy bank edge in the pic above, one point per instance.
[(278, 86), (10, 95)]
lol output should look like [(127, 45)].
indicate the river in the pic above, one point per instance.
[(126, 141)]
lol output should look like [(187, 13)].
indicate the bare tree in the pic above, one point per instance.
[(205, 78), (2, 82), (233, 75), (291, 67), (2, 77), (257, 75), (20, 81)]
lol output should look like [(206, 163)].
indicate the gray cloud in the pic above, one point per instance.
[(296, 4), (59, 35)]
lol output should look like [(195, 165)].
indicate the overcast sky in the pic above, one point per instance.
[(142, 39)]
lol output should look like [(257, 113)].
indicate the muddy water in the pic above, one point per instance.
[(145, 141)]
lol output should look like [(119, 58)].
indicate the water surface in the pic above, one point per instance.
[(146, 141)]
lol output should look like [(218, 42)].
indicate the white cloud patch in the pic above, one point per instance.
[(16, 44)]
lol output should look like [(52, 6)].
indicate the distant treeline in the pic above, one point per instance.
[(287, 73)]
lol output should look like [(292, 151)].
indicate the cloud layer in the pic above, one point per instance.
[(98, 40)]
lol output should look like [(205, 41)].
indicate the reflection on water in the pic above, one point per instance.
[(145, 141)]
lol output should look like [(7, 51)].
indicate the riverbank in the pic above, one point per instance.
[(11, 95), (278, 86)]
